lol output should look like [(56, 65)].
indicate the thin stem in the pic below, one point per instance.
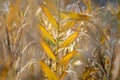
[(8, 41), (79, 6), (57, 40), (58, 24)]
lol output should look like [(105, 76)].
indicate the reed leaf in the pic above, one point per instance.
[(48, 50), (68, 25), (70, 39), (46, 34), (74, 16), (51, 5), (66, 59), (50, 75), (49, 16)]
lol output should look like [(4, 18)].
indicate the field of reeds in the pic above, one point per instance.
[(59, 39)]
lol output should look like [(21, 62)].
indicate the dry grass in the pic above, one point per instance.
[(59, 40)]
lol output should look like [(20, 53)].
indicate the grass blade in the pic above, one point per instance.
[(50, 75), (70, 39), (48, 50), (46, 34), (66, 58), (68, 25), (74, 16), (49, 16), (51, 5)]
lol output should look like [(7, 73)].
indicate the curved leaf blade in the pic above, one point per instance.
[(70, 39), (49, 16), (66, 59), (48, 50), (51, 5), (50, 75), (74, 16), (46, 34), (68, 25)]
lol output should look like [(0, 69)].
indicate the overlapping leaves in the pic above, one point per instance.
[(51, 52)]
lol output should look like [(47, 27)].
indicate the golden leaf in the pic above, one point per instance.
[(67, 26), (74, 16), (49, 16), (70, 39), (46, 34), (66, 59), (50, 75), (51, 5), (48, 50)]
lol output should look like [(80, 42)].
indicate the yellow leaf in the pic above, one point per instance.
[(67, 26), (51, 5), (49, 16), (70, 14), (103, 39), (48, 50), (66, 59), (75, 16), (46, 34), (50, 75), (70, 39)]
